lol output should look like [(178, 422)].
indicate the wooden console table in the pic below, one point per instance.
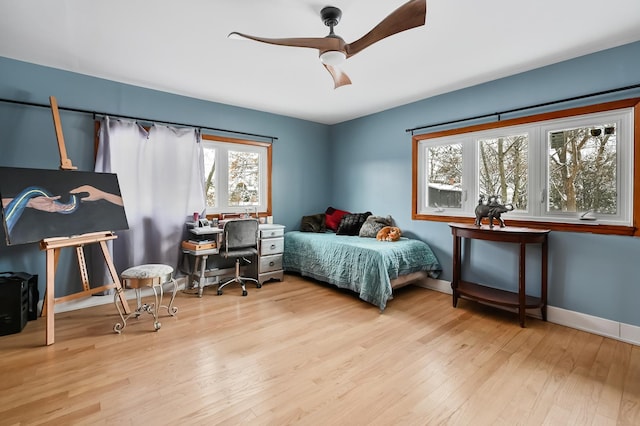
[(478, 292)]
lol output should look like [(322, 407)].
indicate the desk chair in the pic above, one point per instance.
[(240, 240)]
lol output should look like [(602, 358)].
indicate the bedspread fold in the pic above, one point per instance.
[(363, 265)]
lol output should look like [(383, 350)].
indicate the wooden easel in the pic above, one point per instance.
[(53, 246), (65, 162)]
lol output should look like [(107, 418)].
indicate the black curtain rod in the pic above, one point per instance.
[(95, 113), (477, 117)]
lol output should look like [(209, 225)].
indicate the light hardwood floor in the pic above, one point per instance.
[(299, 352)]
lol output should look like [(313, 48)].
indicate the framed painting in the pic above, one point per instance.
[(39, 204)]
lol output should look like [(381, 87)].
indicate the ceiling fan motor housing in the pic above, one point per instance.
[(331, 16)]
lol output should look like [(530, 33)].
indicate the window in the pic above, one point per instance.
[(237, 175), (567, 170)]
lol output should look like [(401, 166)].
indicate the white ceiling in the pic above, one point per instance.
[(182, 47)]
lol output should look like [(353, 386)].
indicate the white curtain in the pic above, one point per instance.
[(161, 177)]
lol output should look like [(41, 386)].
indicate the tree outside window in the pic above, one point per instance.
[(567, 170), (582, 170), (504, 169), (236, 175)]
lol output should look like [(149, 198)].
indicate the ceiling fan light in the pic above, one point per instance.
[(333, 57)]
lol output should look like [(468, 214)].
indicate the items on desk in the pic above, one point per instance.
[(202, 242), (198, 245), (202, 235)]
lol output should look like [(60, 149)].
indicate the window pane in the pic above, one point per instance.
[(504, 169), (244, 178), (582, 170), (444, 180), (210, 175)]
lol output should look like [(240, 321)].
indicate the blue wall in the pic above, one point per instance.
[(360, 165), (594, 274), (301, 160)]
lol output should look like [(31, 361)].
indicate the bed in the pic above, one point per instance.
[(369, 267)]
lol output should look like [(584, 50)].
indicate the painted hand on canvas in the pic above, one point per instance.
[(41, 199), (36, 198), (94, 194), (81, 202)]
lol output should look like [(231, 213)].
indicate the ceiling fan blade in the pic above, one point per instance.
[(410, 15), (322, 44), (339, 77)]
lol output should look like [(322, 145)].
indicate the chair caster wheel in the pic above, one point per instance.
[(157, 325), (219, 292), (259, 286), (244, 292)]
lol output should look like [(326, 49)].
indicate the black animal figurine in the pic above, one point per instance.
[(491, 209)]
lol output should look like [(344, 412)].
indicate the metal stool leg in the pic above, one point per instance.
[(172, 310), (154, 311), (140, 277)]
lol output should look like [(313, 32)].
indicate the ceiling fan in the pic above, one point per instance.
[(333, 50)]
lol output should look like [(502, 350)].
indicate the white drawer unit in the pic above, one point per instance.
[(270, 246), (271, 231), (271, 249), (271, 263)]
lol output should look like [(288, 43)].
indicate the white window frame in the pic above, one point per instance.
[(221, 174), (622, 113), (624, 166)]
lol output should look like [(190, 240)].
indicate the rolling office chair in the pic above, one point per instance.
[(240, 239)]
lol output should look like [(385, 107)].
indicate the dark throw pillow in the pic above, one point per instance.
[(333, 217), (313, 223), (373, 224), (350, 223)]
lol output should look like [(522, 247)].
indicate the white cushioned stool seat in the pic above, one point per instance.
[(153, 275)]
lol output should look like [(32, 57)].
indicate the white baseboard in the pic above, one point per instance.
[(596, 325), (98, 300), (630, 334), (434, 284)]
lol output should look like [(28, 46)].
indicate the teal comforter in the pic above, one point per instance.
[(363, 265)]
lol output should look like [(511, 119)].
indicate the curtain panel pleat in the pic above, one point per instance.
[(161, 177)]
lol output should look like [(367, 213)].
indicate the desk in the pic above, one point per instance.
[(478, 292), (201, 256), (269, 262), (200, 268)]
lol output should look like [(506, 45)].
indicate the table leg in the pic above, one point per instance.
[(456, 269), (194, 271), (49, 301), (203, 267), (522, 292), (543, 290)]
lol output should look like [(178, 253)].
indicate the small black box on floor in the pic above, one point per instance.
[(14, 304), (34, 294)]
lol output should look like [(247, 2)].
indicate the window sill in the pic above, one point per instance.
[(554, 226)]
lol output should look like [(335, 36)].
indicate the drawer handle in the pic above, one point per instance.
[(271, 263), (273, 246)]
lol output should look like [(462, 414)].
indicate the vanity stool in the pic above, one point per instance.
[(150, 275)]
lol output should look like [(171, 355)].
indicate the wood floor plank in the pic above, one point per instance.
[(301, 352), (630, 405)]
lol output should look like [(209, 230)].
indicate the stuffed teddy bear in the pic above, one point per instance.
[(389, 233)]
